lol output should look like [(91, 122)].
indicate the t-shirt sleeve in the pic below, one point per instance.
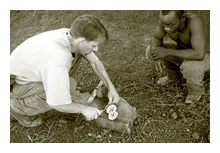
[(57, 85)]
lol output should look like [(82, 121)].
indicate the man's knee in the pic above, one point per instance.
[(32, 105), (192, 71), (29, 99)]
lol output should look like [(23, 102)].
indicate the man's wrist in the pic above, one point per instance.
[(169, 52), (84, 109), (111, 87)]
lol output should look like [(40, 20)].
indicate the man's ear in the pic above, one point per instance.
[(80, 40)]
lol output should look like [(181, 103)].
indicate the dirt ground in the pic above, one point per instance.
[(124, 59)]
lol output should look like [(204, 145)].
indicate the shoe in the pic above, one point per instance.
[(164, 81), (27, 121), (192, 98)]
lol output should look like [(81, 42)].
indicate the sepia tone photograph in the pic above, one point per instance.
[(110, 76)]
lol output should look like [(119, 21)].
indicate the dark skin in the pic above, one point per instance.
[(189, 33)]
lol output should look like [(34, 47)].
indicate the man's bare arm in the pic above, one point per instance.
[(157, 38), (70, 108), (102, 74), (157, 41), (88, 111)]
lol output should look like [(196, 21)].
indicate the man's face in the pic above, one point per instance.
[(86, 47), (170, 22)]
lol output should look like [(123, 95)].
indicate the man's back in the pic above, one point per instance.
[(43, 50)]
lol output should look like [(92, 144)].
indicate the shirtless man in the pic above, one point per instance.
[(188, 57)]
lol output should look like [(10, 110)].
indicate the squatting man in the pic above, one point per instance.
[(188, 56), (42, 68)]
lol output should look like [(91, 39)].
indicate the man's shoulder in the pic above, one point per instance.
[(56, 38), (193, 18), (51, 33), (195, 21)]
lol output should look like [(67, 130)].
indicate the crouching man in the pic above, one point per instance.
[(41, 70), (188, 56)]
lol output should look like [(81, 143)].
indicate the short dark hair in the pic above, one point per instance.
[(179, 13), (89, 27)]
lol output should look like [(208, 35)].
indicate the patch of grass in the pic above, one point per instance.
[(124, 58)]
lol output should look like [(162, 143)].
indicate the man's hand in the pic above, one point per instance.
[(158, 53), (159, 65), (113, 96), (91, 113)]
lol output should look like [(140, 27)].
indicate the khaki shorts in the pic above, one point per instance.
[(30, 99)]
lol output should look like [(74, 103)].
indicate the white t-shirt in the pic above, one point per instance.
[(45, 58)]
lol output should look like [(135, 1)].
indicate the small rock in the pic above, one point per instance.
[(174, 115), (196, 135), (135, 122), (89, 134), (171, 110), (99, 136), (163, 114)]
